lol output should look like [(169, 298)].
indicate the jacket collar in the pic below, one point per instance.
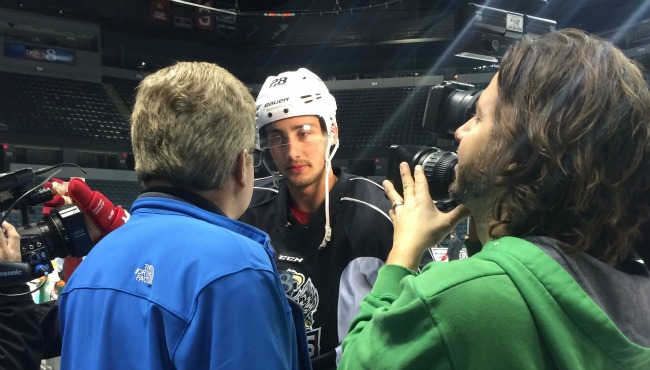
[(184, 195)]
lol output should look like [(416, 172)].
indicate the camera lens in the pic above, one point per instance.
[(438, 167), (46, 232), (449, 105), (63, 233), (459, 107), (71, 228), (439, 170)]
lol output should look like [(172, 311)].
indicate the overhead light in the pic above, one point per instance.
[(470, 55), (205, 7)]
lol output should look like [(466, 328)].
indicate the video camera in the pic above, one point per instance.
[(449, 105), (62, 233)]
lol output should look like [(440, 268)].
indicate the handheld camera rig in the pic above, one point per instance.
[(62, 233)]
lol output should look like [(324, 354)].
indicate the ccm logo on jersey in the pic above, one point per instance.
[(289, 258)]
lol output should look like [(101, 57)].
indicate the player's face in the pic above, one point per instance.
[(298, 147)]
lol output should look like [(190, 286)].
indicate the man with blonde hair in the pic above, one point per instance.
[(184, 285)]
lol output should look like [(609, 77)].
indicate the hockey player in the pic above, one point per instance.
[(330, 230)]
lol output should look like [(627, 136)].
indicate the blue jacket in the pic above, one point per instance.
[(178, 287)]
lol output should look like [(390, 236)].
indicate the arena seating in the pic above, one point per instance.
[(42, 105), (376, 117), (126, 89), (381, 117)]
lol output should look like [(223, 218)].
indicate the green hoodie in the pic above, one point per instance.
[(509, 307)]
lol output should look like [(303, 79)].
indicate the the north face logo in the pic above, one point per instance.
[(145, 274)]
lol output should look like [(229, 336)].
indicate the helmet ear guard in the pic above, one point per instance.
[(330, 129), (333, 131)]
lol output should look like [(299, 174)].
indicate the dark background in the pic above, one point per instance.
[(342, 39)]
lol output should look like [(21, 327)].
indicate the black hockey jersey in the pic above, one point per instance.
[(329, 282)]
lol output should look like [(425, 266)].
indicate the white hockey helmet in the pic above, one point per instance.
[(293, 94)]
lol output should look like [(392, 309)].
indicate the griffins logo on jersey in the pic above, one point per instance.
[(303, 292)]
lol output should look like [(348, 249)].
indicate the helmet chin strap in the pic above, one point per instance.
[(328, 167), (275, 175)]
